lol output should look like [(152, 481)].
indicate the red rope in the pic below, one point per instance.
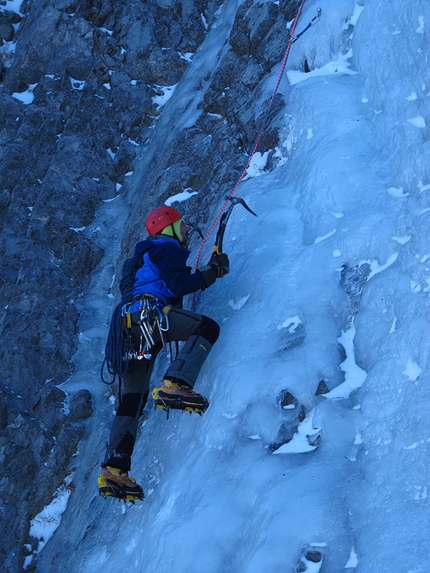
[(257, 141)]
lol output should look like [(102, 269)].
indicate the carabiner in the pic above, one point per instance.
[(163, 320)]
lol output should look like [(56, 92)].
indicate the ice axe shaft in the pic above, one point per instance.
[(224, 219)]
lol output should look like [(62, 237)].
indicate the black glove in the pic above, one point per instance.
[(209, 274), (220, 263), (218, 266)]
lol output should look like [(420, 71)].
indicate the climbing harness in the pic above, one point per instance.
[(120, 349), (291, 41), (153, 318)]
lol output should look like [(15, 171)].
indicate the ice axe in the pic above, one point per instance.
[(224, 219)]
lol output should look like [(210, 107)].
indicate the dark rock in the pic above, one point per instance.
[(11, 17), (313, 555), (293, 336), (310, 556), (98, 12), (253, 73), (285, 434), (314, 440), (7, 31), (5, 200), (240, 34), (165, 67), (352, 281), (287, 400), (3, 415), (124, 157), (80, 406), (260, 31), (322, 388), (302, 414), (67, 442), (45, 32), (55, 395)]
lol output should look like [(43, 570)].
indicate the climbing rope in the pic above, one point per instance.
[(227, 201)]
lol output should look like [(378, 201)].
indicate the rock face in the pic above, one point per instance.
[(77, 113)]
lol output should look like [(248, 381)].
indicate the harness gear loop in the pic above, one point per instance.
[(127, 327), (153, 319)]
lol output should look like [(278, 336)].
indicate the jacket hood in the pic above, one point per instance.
[(143, 246)]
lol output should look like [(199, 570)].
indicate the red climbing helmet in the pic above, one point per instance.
[(160, 218)]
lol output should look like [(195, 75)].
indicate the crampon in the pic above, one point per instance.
[(116, 483), (177, 395)]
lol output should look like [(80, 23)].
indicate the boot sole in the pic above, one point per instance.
[(105, 493), (165, 401), (111, 488)]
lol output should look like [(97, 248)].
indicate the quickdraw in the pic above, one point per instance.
[(314, 21), (153, 319)]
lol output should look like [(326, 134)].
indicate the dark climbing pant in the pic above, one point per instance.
[(200, 333)]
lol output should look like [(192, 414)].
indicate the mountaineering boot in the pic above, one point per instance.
[(114, 482), (178, 395)]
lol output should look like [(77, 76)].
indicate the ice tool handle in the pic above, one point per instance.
[(224, 220)]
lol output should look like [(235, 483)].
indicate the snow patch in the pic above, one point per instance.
[(181, 197), (339, 66), (303, 440), (237, 305), (76, 84), (12, 6), (358, 9), (423, 187), (376, 268), (354, 375), (45, 523), (397, 192), (257, 165), (420, 29), (418, 121), (412, 370), (26, 97), (402, 240), (353, 560), (324, 237), (291, 324), (166, 93)]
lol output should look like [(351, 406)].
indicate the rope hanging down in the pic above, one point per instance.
[(291, 41)]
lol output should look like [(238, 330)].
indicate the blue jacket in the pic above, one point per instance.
[(164, 273)]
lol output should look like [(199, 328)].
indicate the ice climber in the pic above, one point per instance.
[(153, 317)]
